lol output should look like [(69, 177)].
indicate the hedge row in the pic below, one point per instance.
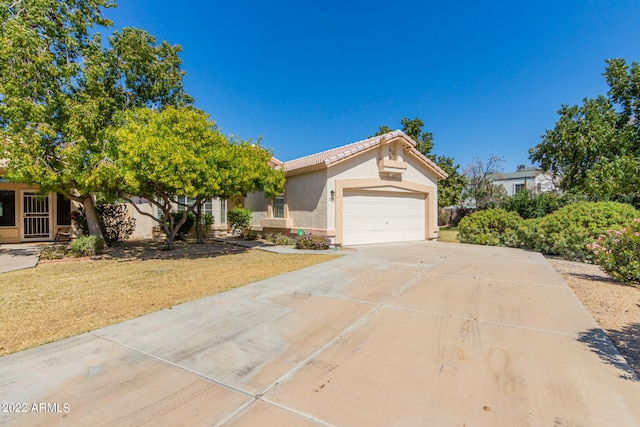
[(565, 232)]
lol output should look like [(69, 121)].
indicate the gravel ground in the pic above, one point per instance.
[(614, 306)]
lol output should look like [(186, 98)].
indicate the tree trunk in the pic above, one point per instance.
[(91, 214), (199, 237)]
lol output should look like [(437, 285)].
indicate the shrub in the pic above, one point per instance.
[(206, 221), (240, 220), (569, 230), (86, 246), (311, 241), (54, 252), (618, 253), (495, 227), (115, 223), (185, 228), (279, 239), (529, 205)]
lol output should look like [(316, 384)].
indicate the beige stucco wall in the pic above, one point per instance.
[(306, 198), (258, 206), (145, 225), (13, 234)]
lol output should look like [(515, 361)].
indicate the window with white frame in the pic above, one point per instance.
[(183, 202), (519, 187), (278, 207)]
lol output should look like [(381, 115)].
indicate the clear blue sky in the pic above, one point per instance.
[(485, 77)]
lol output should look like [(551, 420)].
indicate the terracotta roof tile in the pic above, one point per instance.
[(339, 153)]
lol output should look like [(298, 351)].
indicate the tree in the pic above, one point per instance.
[(60, 89), (160, 155), (480, 188), (594, 148), (450, 189)]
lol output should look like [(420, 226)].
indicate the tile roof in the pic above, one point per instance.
[(337, 154)]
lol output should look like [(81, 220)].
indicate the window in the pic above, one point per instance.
[(278, 207), (63, 210), (223, 211), (7, 208), (519, 187)]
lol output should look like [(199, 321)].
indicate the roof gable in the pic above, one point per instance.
[(335, 155)]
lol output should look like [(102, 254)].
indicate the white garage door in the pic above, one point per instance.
[(376, 217)]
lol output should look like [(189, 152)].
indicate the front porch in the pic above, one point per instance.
[(26, 215)]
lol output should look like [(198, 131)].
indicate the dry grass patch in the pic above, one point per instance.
[(58, 300)]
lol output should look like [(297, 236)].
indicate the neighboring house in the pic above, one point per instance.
[(377, 190), (532, 179), (28, 216)]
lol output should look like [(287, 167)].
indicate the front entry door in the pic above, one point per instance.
[(36, 217)]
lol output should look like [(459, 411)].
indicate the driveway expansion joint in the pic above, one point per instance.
[(175, 365)]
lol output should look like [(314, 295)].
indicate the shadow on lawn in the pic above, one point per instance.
[(625, 341), (144, 250)]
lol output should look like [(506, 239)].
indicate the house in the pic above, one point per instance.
[(377, 190), (28, 216), (532, 179), (147, 228)]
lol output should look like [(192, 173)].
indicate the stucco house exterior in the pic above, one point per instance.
[(28, 216), (147, 228), (532, 179), (376, 190)]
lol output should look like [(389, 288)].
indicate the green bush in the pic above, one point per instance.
[(569, 230), (618, 253), (279, 239), (529, 205), (115, 223), (240, 220), (495, 227), (54, 252), (86, 246), (311, 241)]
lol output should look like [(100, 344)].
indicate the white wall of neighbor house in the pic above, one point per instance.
[(541, 183)]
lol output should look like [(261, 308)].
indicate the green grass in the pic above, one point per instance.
[(448, 234)]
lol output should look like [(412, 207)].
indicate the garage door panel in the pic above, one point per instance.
[(377, 217)]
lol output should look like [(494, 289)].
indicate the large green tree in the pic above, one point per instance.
[(594, 148), (450, 189), (160, 155), (61, 85)]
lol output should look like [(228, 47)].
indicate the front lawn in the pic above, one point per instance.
[(448, 234), (58, 300)]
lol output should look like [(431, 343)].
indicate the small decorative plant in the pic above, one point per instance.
[(279, 239), (240, 220), (311, 241), (86, 246)]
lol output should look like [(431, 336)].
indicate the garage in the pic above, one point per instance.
[(382, 217)]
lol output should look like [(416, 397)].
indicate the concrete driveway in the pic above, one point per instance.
[(413, 334)]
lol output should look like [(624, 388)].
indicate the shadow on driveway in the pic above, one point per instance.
[(625, 340)]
